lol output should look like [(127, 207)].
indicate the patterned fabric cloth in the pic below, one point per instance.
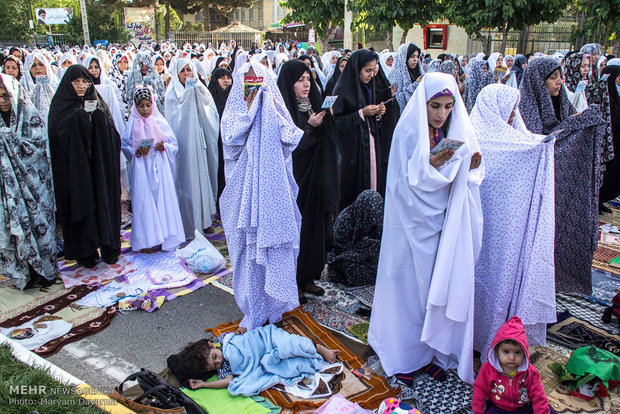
[(475, 82), (598, 94), (260, 216), (400, 75), (27, 221), (120, 79), (357, 232), (572, 68), (536, 105), (514, 274), (40, 94), (151, 78)]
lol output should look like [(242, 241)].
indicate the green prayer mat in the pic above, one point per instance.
[(360, 331), (221, 402)]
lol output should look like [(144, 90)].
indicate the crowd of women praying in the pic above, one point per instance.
[(466, 188)]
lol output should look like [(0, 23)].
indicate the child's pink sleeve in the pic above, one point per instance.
[(536, 392), (482, 389)]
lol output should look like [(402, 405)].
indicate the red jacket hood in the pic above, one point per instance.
[(512, 329)]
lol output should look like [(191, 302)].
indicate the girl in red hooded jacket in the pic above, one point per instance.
[(507, 382)]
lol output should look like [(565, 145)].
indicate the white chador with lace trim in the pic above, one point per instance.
[(424, 297)]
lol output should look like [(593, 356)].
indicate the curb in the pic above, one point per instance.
[(82, 389)]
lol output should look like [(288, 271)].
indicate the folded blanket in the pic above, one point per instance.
[(266, 356)]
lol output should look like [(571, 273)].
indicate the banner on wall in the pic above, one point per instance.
[(140, 21), (54, 16)]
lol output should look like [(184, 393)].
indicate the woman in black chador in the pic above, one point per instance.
[(85, 153), (315, 167), (357, 113)]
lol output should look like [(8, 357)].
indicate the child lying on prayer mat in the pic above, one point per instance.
[(260, 359)]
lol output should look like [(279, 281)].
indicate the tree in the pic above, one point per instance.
[(475, 15), (103, 22), (382, 15), (14, 16), (602, 15), (325, 15)]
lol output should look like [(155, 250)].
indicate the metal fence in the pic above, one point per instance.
[(244, 39), (544, 37)]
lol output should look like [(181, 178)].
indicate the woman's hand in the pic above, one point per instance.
[(463, 77), (316, 119), (476, 159), (142, 151), (251, 97), (496, 75), (380, 109), (241, 330), (195, 384), (419, 78), (441, 158), (370, 110), (160, 146), (394, 89)]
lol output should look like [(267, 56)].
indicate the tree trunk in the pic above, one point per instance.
[(390, 39), (403, 38), (502, 48), (617, 47), (324, 41), (206, 13), (484, 40), (167, 21)]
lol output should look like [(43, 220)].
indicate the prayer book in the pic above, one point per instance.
[(329, 101), (445, 144), (251, 83)]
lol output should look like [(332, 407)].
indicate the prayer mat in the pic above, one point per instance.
[(451, 396), (366, 392), (575, 333), (333, 318), (585, 308), (215, 233), (72, 274), (559, 396), (603, 255), (360, 331), (58, 302), (604, 285), (364, 294)]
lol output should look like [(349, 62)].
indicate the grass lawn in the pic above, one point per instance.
[(24, 389)]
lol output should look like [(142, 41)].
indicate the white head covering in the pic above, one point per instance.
[(480, 55), (280, 59), (444, 202), (614, 62), (383, 57), (41, 95), (492, 60), (240, 60), (66, 57)]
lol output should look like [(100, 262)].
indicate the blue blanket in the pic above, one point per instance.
[(266, 356)]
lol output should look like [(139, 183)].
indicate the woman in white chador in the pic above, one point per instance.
[(423, 305), (193, 116), (39, 82), (151, 146), (515, 274)]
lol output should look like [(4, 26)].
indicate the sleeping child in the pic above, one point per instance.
[(150, 144), (250, 363)]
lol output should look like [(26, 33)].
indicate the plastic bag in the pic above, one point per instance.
[(201, 256)]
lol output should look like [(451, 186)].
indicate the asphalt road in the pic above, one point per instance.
[(138, 339)]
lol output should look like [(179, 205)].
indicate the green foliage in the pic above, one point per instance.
[(14, 16), (384, 14), (475, 15), (325, 15), (193, 27), (15, 374), (602, 15), (104, 22)]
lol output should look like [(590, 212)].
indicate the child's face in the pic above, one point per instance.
[(215, 358), (145, 108), (510, 356)]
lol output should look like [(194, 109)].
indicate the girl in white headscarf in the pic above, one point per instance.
[(423, 305), (193, 116), (258, 206), (151, 146), (515, 274), (39, 82), (386, 60), (64, 62)]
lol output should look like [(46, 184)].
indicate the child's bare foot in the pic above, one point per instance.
[(241, 330), (329, 355)]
